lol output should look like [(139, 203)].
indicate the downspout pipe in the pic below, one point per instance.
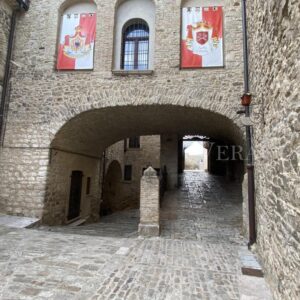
[(245, 47), (23, 5), (103, 173), (7, 72), (246, 101)]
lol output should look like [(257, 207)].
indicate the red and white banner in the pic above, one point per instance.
[(202, 37), (77, 41)]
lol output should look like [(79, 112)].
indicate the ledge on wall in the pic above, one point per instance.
[(132, 72)]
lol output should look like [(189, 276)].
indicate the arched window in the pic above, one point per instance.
[(135, 54), (134, 35)]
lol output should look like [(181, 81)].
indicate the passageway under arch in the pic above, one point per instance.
[(205, 208), (81, 141)]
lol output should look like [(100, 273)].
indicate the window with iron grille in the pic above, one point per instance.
[(134, 142), (135, 54), (88, 185), (127, 172), (125, 145)]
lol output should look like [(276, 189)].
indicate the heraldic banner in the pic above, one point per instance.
[(202, 37), (77, 40)]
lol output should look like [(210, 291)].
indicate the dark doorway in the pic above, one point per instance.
[(112, 190), (75, 195)]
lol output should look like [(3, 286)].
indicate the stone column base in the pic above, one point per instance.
[(149, 230)]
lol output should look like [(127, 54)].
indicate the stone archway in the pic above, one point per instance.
[(80, 142), (90, 132)]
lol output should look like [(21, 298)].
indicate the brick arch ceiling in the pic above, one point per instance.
[(92, 131)]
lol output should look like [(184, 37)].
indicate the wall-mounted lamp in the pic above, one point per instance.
[(24, 4), (246, 99)]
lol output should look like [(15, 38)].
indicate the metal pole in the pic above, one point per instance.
[(7, 72), (246, 101), (23, 5), (103, 172), (245, 47)]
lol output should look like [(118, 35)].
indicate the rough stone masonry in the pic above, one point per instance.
[(76, 115), (274, 68)]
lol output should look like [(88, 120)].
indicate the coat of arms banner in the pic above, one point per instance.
[(202, 37), (77, 41)]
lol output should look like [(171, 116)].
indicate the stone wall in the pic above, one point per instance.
[(23, 181), (114, 152), (43, 100), (139, 159), (58, 187), (274, 64)]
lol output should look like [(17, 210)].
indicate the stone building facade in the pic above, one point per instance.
[(61, 121), (57, 114), (135, 158), (274, 78)]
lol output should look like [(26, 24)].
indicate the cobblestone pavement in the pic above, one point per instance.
[(196, 256)]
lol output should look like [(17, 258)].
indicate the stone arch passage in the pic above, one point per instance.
[(80, 142), (92, 131)]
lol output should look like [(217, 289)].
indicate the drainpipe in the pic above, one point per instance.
[(23, 5), (246, 101), (7, 72), (103, 172)]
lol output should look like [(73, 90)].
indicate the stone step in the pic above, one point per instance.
[(250, 265), (18, 222), (78, 222)]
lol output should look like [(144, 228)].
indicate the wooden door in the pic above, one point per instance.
[(75, 195)]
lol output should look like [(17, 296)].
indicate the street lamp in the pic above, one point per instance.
[(24, 4)]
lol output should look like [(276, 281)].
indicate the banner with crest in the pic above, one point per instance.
[(202, 37), (77, 42)]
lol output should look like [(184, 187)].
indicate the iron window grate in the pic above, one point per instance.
[(135, 54)]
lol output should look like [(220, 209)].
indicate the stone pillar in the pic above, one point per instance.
[(149, 204), (169, 158)]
